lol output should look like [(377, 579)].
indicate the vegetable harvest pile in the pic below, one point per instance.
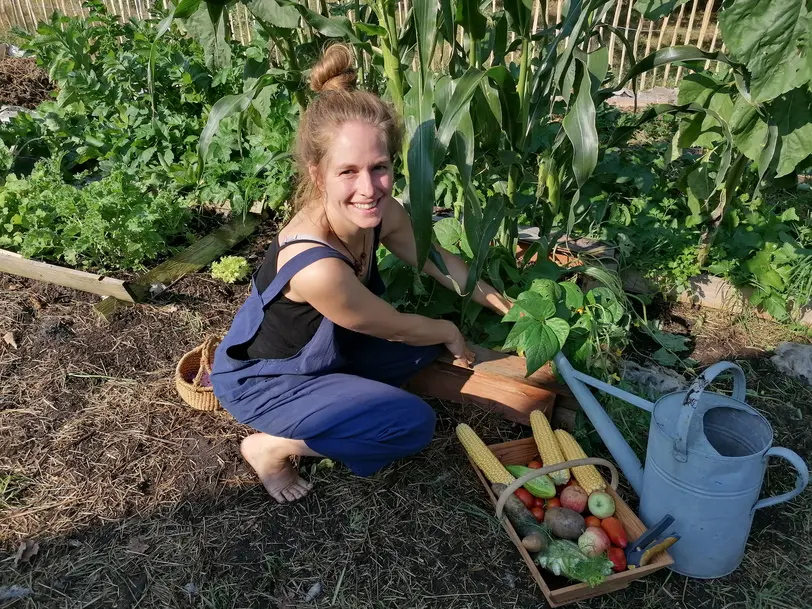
[(565, 519)]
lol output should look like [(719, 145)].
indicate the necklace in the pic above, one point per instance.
[(358, 265)]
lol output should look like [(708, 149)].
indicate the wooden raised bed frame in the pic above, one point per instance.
[(560, 591)]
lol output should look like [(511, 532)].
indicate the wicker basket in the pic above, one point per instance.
[(199, 361)]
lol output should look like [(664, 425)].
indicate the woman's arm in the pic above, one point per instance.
[(331, 287), (398, 237)]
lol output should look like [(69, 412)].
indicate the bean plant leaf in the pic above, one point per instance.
[(561, 329), (657, 9), (769, 38), (547, 288), (536, 305), (573, 296), (449, 234), (540, 346)]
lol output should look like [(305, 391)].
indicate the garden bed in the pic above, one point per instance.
[(136, 500)]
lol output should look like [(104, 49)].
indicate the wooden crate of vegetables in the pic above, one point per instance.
[(569, 525)]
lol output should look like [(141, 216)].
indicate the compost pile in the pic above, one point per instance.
[(22, 83)]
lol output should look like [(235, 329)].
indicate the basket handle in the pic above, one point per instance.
[(500, 504), (205, 357)]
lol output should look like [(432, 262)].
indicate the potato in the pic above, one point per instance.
[(564, 523)]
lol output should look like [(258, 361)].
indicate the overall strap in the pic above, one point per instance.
[(296, 264)]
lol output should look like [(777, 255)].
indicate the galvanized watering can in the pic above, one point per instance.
[(705, 462)]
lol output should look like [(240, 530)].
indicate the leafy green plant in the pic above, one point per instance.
[(230, 269), (112, 223)]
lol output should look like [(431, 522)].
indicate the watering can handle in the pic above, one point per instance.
[(692, 400), (801, 480)]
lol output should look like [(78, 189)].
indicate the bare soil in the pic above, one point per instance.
[(22, 83), (136, 500)]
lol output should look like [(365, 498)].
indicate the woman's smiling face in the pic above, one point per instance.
[(356, 175)]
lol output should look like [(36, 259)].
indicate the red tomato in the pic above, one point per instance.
[(593, 521), (534, 465), (539, 502), (618, 558), (528, 499), (554, 502), (538, 513)]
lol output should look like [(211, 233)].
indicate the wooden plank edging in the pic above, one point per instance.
[(15, 264), (192, 259)]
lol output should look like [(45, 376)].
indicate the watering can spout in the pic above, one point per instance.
[(622, 453)]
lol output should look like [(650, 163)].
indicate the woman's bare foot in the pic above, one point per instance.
[(270, 458)]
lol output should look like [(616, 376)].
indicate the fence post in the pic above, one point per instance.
[(688, 35), (626, 30), (673, 42), (613, 38), (713, 43), (648, 48)]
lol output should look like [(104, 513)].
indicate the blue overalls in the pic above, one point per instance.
[(340, 394)]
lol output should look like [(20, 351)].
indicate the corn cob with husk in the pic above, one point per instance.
[(548, 447), (482, 456), (588, 476)]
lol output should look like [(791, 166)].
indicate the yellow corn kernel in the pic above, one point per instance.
[(483, 457), (587, 476), (548, 447)]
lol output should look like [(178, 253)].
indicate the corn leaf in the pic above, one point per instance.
[(579, 125)]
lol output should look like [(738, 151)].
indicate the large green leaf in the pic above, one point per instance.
[(536, 305), (670, 55), (471, 20), (579, 125), (274, 13), (541, 345), (657, 9), (520, 15), (703, 129), (184, 9), (332, 27), (792, 114), (488, 225), (207, 25), (424, 15), (748, 128), (222, 109), (769, 38)]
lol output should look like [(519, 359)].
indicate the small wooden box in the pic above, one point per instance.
[(561, 591)]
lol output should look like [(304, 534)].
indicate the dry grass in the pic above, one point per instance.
[(138, 501)]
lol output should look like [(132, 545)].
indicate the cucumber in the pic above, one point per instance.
[(533, 535), (539, 487)]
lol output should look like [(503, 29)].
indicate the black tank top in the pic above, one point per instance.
[(287, 326)]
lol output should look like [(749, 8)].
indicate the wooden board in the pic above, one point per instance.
[(558, 590), (15, 264), (496, 383), (192, 259)]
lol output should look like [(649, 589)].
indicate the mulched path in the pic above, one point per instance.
[(22, 83), (135, 500)]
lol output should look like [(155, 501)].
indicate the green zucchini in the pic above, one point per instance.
[(533, 535), (539, 487)]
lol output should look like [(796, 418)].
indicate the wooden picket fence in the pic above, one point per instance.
[(694, 23)]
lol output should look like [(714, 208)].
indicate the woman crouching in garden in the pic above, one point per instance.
[(315, 358)]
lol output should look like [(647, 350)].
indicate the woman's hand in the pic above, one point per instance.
[(458, 348)]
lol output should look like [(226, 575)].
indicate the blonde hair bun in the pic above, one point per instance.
[(334, 71)]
